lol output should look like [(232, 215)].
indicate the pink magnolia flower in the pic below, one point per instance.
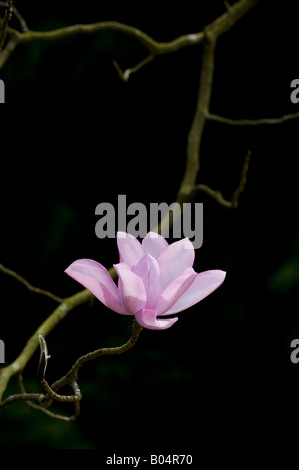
[(154, 279)]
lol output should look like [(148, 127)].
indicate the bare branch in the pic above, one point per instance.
[(127, 73), (44, 400), (217, 195), (62, 398), (20, 397), (44, 410), (23, 281), (32, 344), (243, 180), (251, 122), (227, 5), (72, 375), (4, 22), (58, 416), (226, 21), (198, 124), (9, 48), (69, 379), (215, 29), (212, 32), (19, 17)]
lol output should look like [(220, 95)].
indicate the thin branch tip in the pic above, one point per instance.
[(218, 196), (251, 122), (29, 286), (123, 75)]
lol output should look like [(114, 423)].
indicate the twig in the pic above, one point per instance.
[(217, 27), (227, 5), (23, 281), (9, 48), (251, 122), (198, 124), (243, 180), (154, 47), (69, 379), (128, 72), (4, 22), (20, 397), (62, 398), (53, 415), (19, 17), (217, 195), (212, 32), (29, 399), (72, 375), (44, 410), (32, 344)]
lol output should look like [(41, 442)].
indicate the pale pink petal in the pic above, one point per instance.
[(175, 259), (174, 291), (130, 249), (142, 268), (131, 288), (95, 277), (148, 270), (154, 244), (148, 319), (203, 285)]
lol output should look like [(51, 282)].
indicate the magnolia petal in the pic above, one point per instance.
[(204, 284), (142, 268), (175, 259), (154, 244), (148, 270), (148, 319), (131, 289), (174, 291), (130, 249), (95, 277)]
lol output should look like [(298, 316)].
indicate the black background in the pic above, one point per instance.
[(73, 135)]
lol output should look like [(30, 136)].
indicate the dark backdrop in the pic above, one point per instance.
[(74, 135)]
